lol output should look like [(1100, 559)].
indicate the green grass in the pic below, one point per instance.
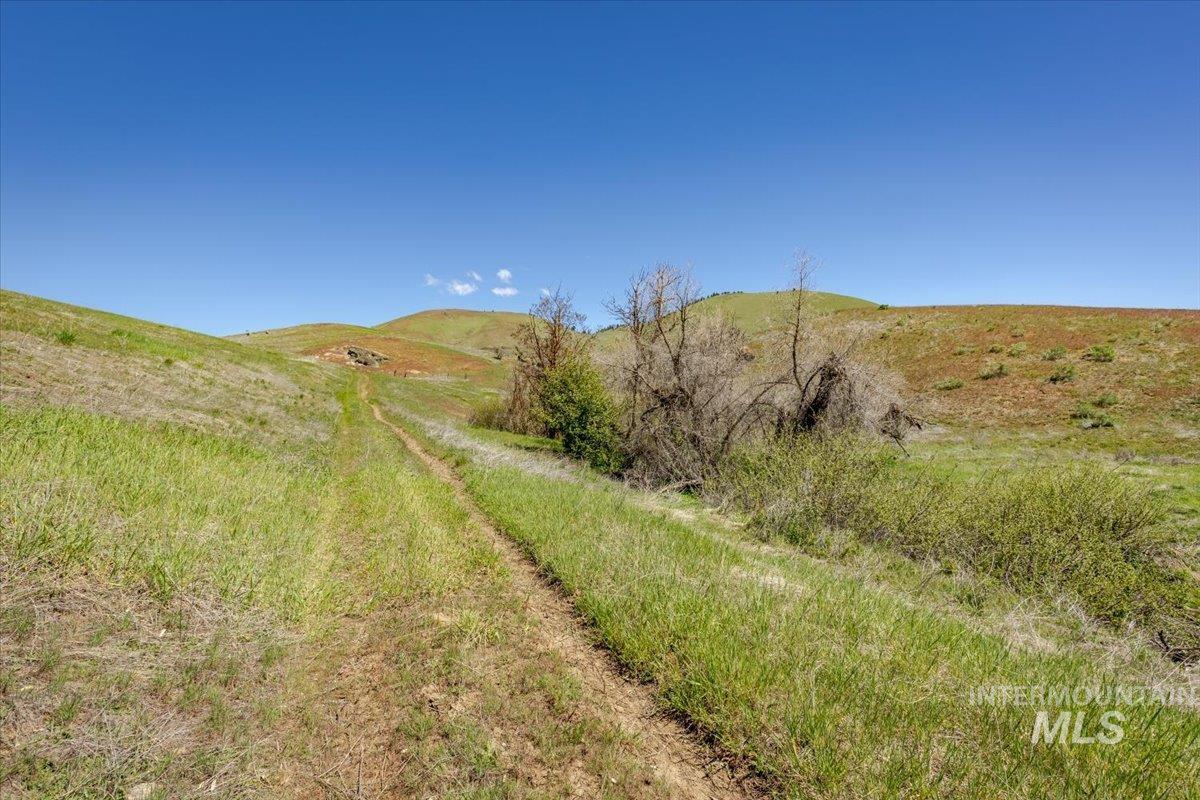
[(830, 686), (837, 679), (757, 313), (302, 338), (187, 604), (469, 330), (206, 591), (1082, 531)]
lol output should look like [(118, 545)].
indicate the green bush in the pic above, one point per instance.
[(994, 370), (491, 413), (1018, 349), (963, 349), (1080, 530), (1105, 400), (575, 407), (995, 348), (1089, 417), (65, 336), (1056, 353), (1100, 353), (948, 384), (1062, 374)]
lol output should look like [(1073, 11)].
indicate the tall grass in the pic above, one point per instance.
[(830, 687), (1081, 530), (175, 510)]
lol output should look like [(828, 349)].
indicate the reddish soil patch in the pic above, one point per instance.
[(408, 358)]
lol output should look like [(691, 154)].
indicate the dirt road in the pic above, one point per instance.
[(688, 766)]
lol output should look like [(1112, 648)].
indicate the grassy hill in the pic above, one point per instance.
[(472, 330), (758, 312), (1054, 379), (406, 357), (221, 573), (1053, 369)]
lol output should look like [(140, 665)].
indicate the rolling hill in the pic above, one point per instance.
[(228, 566), (1049, 383), (406, 357), (476, 331), (1052, 370)]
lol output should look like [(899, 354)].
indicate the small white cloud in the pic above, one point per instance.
[(504, 291), (431, 281), (504, 275), (545, 292), (460, 288), (475, 276)]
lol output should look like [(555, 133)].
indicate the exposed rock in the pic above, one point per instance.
[(364, 357), (141, 791)]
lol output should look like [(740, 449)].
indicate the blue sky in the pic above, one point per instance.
[(233, 167)]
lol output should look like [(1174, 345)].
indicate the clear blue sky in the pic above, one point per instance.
[(233, 167)]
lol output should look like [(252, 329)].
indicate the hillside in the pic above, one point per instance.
[(1140, 367), (406, 357), (222, 574), (758, 312), (477, 331), (230, 570), (1146, 391)]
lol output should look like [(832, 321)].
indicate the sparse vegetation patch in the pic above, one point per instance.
[(1100, 353), (1056, 353), (996, 369), (1062, 374)]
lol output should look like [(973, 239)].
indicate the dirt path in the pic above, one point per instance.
[(690, 768)]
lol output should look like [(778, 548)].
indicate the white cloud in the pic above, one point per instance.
[(504, 291), (504, 275), (545, 292), (475, 276), (460, 288), (431, 281)]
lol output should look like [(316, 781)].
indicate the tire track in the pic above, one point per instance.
[(690, 768)]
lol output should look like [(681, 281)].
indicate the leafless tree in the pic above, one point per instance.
[(694, 389), (687, 388)]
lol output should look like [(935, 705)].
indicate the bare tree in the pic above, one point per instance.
[(693, 389), (685, 379)]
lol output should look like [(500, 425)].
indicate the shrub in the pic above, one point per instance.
[(1017, 350), (491, 413), (575, 407), (66, 337), (1018, 332), (1105, 400), (995, 348), (997, 369), (1080, 530), (1100, 353), (1062, 374), (947, 384), (962, 350), (884, 306), (1055, 354), (1089, 417)]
